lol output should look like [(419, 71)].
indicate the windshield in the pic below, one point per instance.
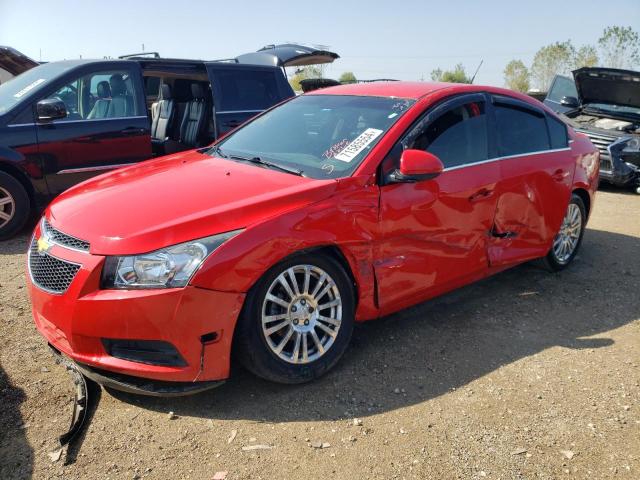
[(324, 136), (619, 109), (36, 78)]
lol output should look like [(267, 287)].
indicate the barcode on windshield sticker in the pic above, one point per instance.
[(29, 87), (352, 150)]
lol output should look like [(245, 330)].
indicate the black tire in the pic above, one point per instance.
[(19, 209), (250, 344), (551, 261)]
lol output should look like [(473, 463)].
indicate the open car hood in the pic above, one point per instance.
[(608, 85), (15, 62), (288, 55)]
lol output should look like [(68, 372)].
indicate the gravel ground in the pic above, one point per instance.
[(524, 375)]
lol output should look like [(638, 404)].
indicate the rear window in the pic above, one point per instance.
[(520, 130), (247, 90), (558, 133)]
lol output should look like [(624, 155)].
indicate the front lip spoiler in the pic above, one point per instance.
[(143, 386)]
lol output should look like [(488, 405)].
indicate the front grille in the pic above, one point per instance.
[(50, 273), (62, 239), (602, 143)]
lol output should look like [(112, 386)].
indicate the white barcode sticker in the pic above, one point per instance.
[(28, 88), (361, 142)]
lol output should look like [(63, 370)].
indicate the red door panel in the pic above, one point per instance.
[(434, 233), (534, 194)]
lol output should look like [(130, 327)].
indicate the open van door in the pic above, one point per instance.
[(288, 55), (13, 63)]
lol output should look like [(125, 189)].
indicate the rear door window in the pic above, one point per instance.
[(520, 130), (557, 132)]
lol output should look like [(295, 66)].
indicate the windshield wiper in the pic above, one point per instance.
[(266, 163), (217, 151), (258, 161)]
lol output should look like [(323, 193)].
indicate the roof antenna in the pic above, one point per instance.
[(477, 69)]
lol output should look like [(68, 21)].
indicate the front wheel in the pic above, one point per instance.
[(567, 241), (297, 320), (14, 206)]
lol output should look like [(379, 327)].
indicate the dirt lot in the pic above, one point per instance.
[(525, 375)]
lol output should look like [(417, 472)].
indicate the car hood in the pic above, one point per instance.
[(175, 199), (608, 85)]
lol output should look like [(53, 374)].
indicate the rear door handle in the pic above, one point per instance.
[(481, 195), (559, 175)]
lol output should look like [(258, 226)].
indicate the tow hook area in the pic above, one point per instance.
[(87, 396)]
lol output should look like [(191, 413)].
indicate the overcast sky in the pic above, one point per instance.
[(392, 39)]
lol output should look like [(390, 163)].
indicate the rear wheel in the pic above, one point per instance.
[(14, 206), (297, 320), (567, 241)]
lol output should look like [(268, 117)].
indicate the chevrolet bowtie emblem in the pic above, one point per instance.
[(43, 245)]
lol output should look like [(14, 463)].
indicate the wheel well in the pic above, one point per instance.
[(584, 196), (331, 251), (334, 252), (21, 177)]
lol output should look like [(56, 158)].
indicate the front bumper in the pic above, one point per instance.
[(198, 322)]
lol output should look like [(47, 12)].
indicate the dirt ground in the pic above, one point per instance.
[(524, 375)]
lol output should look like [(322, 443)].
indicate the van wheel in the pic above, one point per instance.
[(14, 206), (567, 241), (297, 320)]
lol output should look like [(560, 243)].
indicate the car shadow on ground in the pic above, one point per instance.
[(441, 345), (16, 455), (15, 245)]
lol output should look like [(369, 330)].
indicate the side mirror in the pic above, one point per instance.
[(50, 109), (416, 166), (571, 102)]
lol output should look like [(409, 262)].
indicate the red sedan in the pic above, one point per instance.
[(335, 207)]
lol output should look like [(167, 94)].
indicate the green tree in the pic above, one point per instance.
[(619, 47), (585, 56), (457, 75), (550, 60), (310, 71), (516, 76), (347, 77)]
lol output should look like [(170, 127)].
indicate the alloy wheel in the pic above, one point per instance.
[(301, 314), (566, 242), (7, 207)]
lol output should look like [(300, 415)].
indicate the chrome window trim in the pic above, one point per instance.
[(507, 157), (93, 169)]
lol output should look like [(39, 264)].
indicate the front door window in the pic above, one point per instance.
[(100, 95)]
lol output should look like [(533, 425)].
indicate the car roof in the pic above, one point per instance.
[(417, 90), (412, 90)]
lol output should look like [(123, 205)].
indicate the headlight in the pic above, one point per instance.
[(169, 267), (633, 145)]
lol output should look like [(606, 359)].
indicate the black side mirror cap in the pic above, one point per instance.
[(570, 102), (50, 109)]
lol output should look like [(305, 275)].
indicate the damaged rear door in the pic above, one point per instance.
[(536, 170)]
